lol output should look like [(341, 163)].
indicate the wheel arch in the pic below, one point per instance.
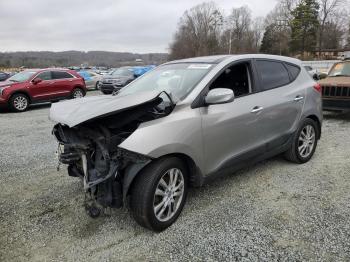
[(318, 122), (21, 92), (81, 88), (195, 176)]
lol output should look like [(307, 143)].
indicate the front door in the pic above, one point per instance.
[(42, 91), (232, 131)]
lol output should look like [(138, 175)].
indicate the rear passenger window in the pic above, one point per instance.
[(273, 74), (61, 75), (293, 71)]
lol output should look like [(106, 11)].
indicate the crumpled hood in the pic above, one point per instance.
[(77, 111)]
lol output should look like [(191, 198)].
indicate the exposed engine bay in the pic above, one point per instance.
[(90, 149)]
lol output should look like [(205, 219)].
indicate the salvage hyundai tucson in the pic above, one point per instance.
[(182, 124)]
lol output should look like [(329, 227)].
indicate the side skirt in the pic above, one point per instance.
[(249, 158)]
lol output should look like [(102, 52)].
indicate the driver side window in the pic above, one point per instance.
[(44, 76), (237, 78)]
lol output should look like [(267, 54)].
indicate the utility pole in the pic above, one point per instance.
[(230, 41), (281, 26)]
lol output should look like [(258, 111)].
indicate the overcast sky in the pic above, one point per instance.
[(138, 26)]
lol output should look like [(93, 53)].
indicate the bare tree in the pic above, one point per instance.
[(327, 9), (199, 32), (238, 27), (257, 32)]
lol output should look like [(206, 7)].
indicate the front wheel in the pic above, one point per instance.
[(77, 93), (19, 102), (304, 142), (159, 193)]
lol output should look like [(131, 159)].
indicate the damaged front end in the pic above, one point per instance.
[(91, 151)]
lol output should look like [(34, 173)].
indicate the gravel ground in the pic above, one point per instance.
[(274, 210)]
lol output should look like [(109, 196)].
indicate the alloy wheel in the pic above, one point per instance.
[(20, 103), (306, 141), (78, 94), (168, 195)]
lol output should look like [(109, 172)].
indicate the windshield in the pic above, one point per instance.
[(178, 80), (340, 69), (22, 76), (122, 72)]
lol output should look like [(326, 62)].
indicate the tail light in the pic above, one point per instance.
[(318, 87)]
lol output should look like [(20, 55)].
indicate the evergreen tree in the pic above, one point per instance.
[(304, 26), (269, 39)]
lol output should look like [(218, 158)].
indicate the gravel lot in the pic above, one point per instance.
[(274, 210)]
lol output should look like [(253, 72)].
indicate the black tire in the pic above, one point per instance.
[(142, 195), (19, 103), (106, 93), (77, 93), (96, 86), (293, 154)]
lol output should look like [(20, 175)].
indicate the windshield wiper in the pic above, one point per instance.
[(340, 75), (13, 80)]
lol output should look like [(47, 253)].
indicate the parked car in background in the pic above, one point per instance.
[(312, 72), (336, 87), (40, 85), (92, 79), (121, 77), (4, 76), (182, 124)]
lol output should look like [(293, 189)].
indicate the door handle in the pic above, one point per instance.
[(298, 98), (257, 109)]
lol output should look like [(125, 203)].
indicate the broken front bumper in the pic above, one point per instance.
[(107, 174)]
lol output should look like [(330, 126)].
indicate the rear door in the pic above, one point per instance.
[(63, 82), (281, 99)]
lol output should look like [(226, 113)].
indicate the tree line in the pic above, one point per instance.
[(294, 27), (42, 59)]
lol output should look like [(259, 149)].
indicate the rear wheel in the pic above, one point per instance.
[(97, 86), (159, 193), (304, 142), (77, 93), (19, 102)]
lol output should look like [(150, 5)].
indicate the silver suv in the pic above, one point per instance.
[(182, 124)]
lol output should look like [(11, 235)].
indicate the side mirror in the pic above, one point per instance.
[(37, 81), (219, 96), (322, 76)]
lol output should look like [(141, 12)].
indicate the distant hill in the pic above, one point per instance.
[(76, 58)]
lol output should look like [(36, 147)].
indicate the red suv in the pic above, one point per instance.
[(40, 85)]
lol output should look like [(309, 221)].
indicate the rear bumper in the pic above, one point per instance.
[(336, 104)]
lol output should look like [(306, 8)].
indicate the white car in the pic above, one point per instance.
[(92, 79)]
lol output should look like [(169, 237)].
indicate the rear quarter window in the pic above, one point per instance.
[(272, 74), (294, 71)]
